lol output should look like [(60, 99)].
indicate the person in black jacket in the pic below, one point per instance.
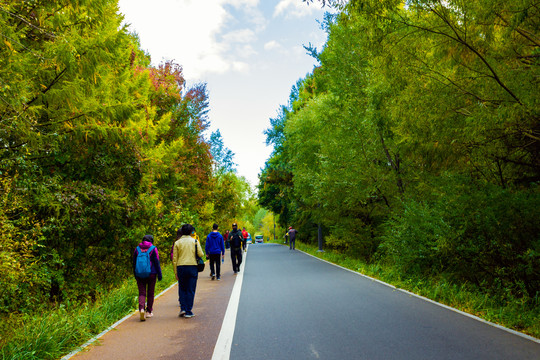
[(238, 245)]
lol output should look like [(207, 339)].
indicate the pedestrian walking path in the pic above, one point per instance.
[(167, 336)]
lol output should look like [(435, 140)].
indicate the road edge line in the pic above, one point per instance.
[(474, 317), (92, 340), (222, 350)]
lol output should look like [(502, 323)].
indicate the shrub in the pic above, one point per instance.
[(483, 234)]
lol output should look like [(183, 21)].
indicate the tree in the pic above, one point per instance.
[(414, 111), (97, 149), (223, 157)]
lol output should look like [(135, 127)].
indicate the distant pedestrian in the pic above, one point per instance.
[(226, 237), (292, 237), (238, 244), (185, 268), (245, 234), (146, 269), (214, 247)]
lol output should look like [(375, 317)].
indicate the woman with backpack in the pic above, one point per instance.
[(146, 269)]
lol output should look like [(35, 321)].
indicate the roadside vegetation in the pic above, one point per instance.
[(414, 145), (55, 332)]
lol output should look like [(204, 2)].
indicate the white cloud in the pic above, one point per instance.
[(272, 45), (240, 36), (173, 30), (246, 51), (240, 66), (241, 3), (294, 8)]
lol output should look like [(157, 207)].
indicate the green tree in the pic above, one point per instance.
[(414, 106), (98, 148)]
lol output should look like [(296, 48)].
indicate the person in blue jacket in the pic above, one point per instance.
[(213, 248)]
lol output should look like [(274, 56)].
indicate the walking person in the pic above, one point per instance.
[(238, 244), (227, 243), (146, 269), (214, 247), (292, 237), (185, 252), (245, 234)]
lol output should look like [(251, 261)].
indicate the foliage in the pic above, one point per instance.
[(55, 333), (97, 149), (415, 142), (223, 157), (487, 236)]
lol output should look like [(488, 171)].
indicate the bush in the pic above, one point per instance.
[(413, 239), (354, 237), (483, 234)]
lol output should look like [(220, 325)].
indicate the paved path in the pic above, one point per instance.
[(166, 336), (294, 306)]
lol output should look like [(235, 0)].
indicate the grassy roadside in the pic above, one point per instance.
[(54, 333), (510, 312)]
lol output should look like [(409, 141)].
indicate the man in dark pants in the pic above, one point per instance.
[(292, 237), (237, 246), (214, 248)]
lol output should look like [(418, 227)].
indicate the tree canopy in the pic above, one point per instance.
[(97, 148), (416, 140)]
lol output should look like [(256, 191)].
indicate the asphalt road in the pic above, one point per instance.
[(293, 306)]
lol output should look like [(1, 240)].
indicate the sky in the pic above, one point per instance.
[(249, 53)]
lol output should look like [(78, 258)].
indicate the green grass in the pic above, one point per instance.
[(55, 333), (511, 312)]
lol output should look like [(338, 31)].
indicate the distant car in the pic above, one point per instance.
[(248, 240), (259, 238)]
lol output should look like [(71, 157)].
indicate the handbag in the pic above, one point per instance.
[(200, 261)]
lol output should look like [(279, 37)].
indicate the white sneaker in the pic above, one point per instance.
[(149, 314), (141, 315)]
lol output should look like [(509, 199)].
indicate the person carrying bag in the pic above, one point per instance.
[(238, 245), (186, 269)]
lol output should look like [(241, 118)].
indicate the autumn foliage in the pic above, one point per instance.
[(97, 148)]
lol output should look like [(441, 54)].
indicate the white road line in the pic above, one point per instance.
[(89, 342), (528, 337), (222, 350)]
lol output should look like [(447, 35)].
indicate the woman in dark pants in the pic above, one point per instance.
[(185, 268), (147, 285)]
